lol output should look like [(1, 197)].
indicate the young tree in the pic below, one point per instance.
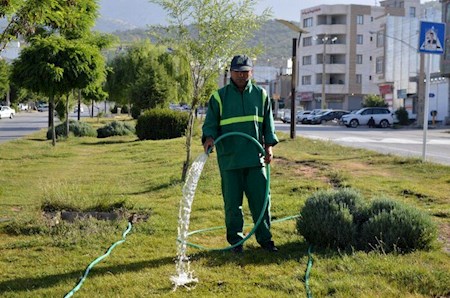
[(208, 34)]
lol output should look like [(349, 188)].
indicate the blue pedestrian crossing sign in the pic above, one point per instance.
[(431, 37)]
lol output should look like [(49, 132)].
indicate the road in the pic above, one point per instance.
[(406, 142), (403, 142), (25, 123)]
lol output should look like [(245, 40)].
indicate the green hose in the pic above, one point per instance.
[(266, 201), (93, 263)]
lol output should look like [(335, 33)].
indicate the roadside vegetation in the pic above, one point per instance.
[(42, 255)]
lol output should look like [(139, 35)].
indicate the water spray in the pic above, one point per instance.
[(184, 275)]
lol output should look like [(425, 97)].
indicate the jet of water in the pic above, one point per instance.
[(184, 276)]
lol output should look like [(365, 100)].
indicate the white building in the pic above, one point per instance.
[(367, 50)]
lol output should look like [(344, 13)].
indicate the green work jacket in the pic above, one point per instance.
[(249, 112)]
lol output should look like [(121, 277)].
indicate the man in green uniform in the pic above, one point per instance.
[(242, 107)]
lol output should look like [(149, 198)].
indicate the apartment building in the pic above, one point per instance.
[(347, 54)]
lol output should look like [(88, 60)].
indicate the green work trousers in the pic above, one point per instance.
[(252, 182)]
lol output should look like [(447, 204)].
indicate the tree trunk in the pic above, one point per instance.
[(67, 115), (79, 105), (189, 131), (51, 110)]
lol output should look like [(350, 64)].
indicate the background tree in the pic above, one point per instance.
[(28, 18), (53, 66), (208, 34), (4, 78), (374, 101), (147, 76)]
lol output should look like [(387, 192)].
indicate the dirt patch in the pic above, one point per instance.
[(56, 217), (444, 236)]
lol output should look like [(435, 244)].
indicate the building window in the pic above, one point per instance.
[(379, 65), (319, 58), (307, 41), (370, 78), (359, 39), (359, 19), (307, 60), (412, 12), (359, 59), (380, 39), (307, 22), (306, 80), (318, 78), (358, 79)]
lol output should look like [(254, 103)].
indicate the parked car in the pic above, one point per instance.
[(383, 117), (75, 110), (42, 108), (7, 112), (315, 112), (302, 115), (328, 116), (23, 106), (286, 117)]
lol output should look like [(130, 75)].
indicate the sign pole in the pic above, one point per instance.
[(426, 108), (431, 41)]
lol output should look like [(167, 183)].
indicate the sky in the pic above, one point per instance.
[(141, 12)]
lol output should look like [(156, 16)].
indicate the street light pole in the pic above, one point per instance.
[(293, 82), (299, 30), (325, 39), (324, 52)]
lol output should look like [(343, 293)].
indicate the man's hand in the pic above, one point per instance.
[(269, 154), (209, 143)]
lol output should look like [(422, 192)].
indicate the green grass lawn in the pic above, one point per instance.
[(42, 258)]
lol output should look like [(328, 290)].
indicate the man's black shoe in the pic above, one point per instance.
[(269, 246), (238, 249)]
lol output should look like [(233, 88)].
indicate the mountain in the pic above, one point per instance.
[(128, 14)]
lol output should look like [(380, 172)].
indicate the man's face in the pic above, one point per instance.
[(240, 78)]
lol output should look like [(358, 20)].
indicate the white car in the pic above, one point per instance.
[(23, 106), (382, 117), (75, 110), (7, 112)]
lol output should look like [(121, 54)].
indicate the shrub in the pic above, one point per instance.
[(135, 112), (156, 124), (114, 109), (402, 116), (340, 219), (78, 128), (115, 128), (327, 218), (396, 227), (124, 109)]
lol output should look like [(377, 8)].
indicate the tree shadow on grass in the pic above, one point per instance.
[(33, 283), (105, 141)]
